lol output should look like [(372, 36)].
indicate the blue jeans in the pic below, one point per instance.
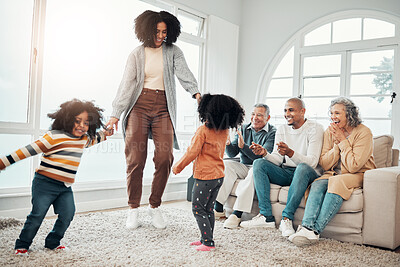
[(47, 192), (321, 206), (298, 178)]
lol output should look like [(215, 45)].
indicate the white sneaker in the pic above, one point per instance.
[(303, 237), (219, 215), (132, 221), (286, 227), (257, 221), (232, 222), (157, 219)]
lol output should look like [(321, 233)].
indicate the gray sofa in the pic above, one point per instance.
[(372, 214)]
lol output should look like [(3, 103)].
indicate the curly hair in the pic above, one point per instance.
[(352, 112), (64, 118), (146, 27), (220, 112)]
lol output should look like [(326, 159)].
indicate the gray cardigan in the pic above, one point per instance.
[(133, 79)]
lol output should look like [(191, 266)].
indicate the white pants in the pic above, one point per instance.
[(245, 190)]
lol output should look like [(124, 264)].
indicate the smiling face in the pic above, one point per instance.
[(259, 118), (294, 114), (161, 34), (81, 125), (338, 115)]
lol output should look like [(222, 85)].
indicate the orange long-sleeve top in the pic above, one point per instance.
[(207, 150)]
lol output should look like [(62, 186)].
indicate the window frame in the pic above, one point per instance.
[(297, 41), (32, 126)]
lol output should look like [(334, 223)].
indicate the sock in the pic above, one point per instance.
[(309, 229), (238, 213), (269, 219), (204, 248), (218, 206)]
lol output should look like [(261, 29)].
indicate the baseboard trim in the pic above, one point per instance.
[(91, 199)]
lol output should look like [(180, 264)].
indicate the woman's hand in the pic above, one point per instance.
[(337, 133), (108, 131), (110, 124), (198, 98)]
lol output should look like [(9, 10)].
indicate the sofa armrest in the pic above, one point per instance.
[(382, 207), (395, 157)]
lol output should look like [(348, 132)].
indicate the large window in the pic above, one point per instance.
[(58, 50), (353, 55), (16, 18)]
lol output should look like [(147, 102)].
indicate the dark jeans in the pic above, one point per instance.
[(203, 200), (47, 192)]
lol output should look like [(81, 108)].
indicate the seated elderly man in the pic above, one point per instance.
[(259, 131)]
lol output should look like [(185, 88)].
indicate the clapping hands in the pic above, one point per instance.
[(284, 149), (337, 133)]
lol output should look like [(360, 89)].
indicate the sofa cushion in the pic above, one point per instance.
[(354, 204), (382, 150)]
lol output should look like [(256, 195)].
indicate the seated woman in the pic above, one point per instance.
[(346, 155)]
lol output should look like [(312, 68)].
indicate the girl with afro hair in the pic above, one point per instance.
[(218, 113), (73, 129), (146, 104)]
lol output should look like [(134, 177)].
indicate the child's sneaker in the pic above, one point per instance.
[(61, 248), (204, 248), (21, 252)]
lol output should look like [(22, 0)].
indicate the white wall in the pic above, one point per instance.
[(267, 24)]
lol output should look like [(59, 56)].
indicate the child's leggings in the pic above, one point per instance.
[(203, 199), (47, 192)]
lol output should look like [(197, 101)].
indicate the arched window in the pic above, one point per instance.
[(353, 54)]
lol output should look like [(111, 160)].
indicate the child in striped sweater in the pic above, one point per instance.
[(73, 129), (219, 113)]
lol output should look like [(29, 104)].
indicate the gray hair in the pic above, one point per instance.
[(352, 113), (265, 106), (298, 101)]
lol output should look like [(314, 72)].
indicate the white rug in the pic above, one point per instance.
[(100, 239)]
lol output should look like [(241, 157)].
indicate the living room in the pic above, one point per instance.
[(256, 51)]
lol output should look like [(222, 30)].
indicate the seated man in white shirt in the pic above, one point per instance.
[(293, 162), (258, 131)]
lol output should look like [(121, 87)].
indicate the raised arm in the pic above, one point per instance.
[(267, 143), (232, 150), (355, 156), (330, 153), (42, 145), (192, 151), (100, 137)]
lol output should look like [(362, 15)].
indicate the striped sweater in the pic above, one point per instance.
[(61, 156)]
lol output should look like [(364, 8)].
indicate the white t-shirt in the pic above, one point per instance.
[(306, 142)]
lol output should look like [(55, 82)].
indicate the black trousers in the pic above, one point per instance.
[(203, 199)]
